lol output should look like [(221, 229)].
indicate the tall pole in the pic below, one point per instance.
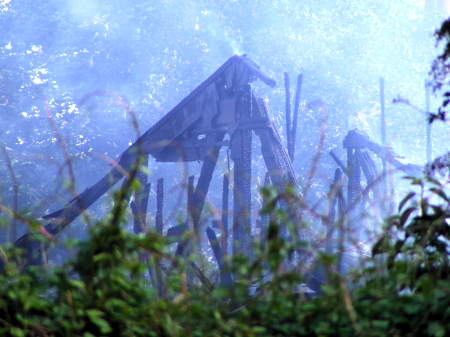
[(428, 125), (159, 205), (383, 116), (295, 117), (241, 150), (225, 210), (387, 191), (287, 89)]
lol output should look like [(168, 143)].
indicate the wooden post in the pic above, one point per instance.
[(383, 115), (204, 180), (226, 279), (428, 125), (140, 202), (241, 150), (295, 117), (276, 158), (225, 210), (353, 193), (385, 173), (342, 207), (287, 91), (10, 234), (159, 205), (139, 209), (190, 200), (201, 190), (354, 177)]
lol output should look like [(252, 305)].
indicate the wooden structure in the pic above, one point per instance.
[(223, 111), (364, 179)]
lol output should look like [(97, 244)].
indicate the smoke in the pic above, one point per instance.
[(154, 53)]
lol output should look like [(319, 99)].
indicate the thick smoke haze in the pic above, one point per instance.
[(69, 69)]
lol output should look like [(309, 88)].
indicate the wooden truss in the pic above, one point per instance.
[(195, 130)]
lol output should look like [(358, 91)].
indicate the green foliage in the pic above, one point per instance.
[(403, 289)]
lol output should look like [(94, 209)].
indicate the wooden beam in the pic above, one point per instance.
[(204, 180), (159, 206), (276, 158), (225, 211), (62, 218), (201, 190), (226, 279), (287, 92), (295, 116), (241, 154)]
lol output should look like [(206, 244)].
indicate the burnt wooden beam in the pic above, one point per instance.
[(338, 162), (159, 227), (159, 206), (295, 116), (276, 158), (264, 218), (354, 139), (225, 212), (333, 202), (241, 153), (140, 202), (198, 198), (287, 92), (60, 219), (354, 177), (176, 231), (226, 279), (190, 199), (139, 208), (204, 180)]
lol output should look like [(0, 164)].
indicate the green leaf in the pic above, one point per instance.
[(96, 317), (17, 332), (436, 329)]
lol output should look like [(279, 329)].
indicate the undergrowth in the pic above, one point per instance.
[(402, 290)]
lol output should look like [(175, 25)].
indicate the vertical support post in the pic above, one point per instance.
[(159, 205), (139, 210), (241, 151), (190, 198), (383, 114), (140, 202), (386, 188), (298, 93), (226, 278), (204, 180), (354, 186), (333, 199), (353, 190), (225, 210), (159, 226), (264, 220), (428, 125), (342, 206), (287, 90)]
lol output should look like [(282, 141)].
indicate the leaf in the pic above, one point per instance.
[(405, 215), (440, 193), (436, 329), (96, 317), (380, 324), (16, 332), (405, 200)]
